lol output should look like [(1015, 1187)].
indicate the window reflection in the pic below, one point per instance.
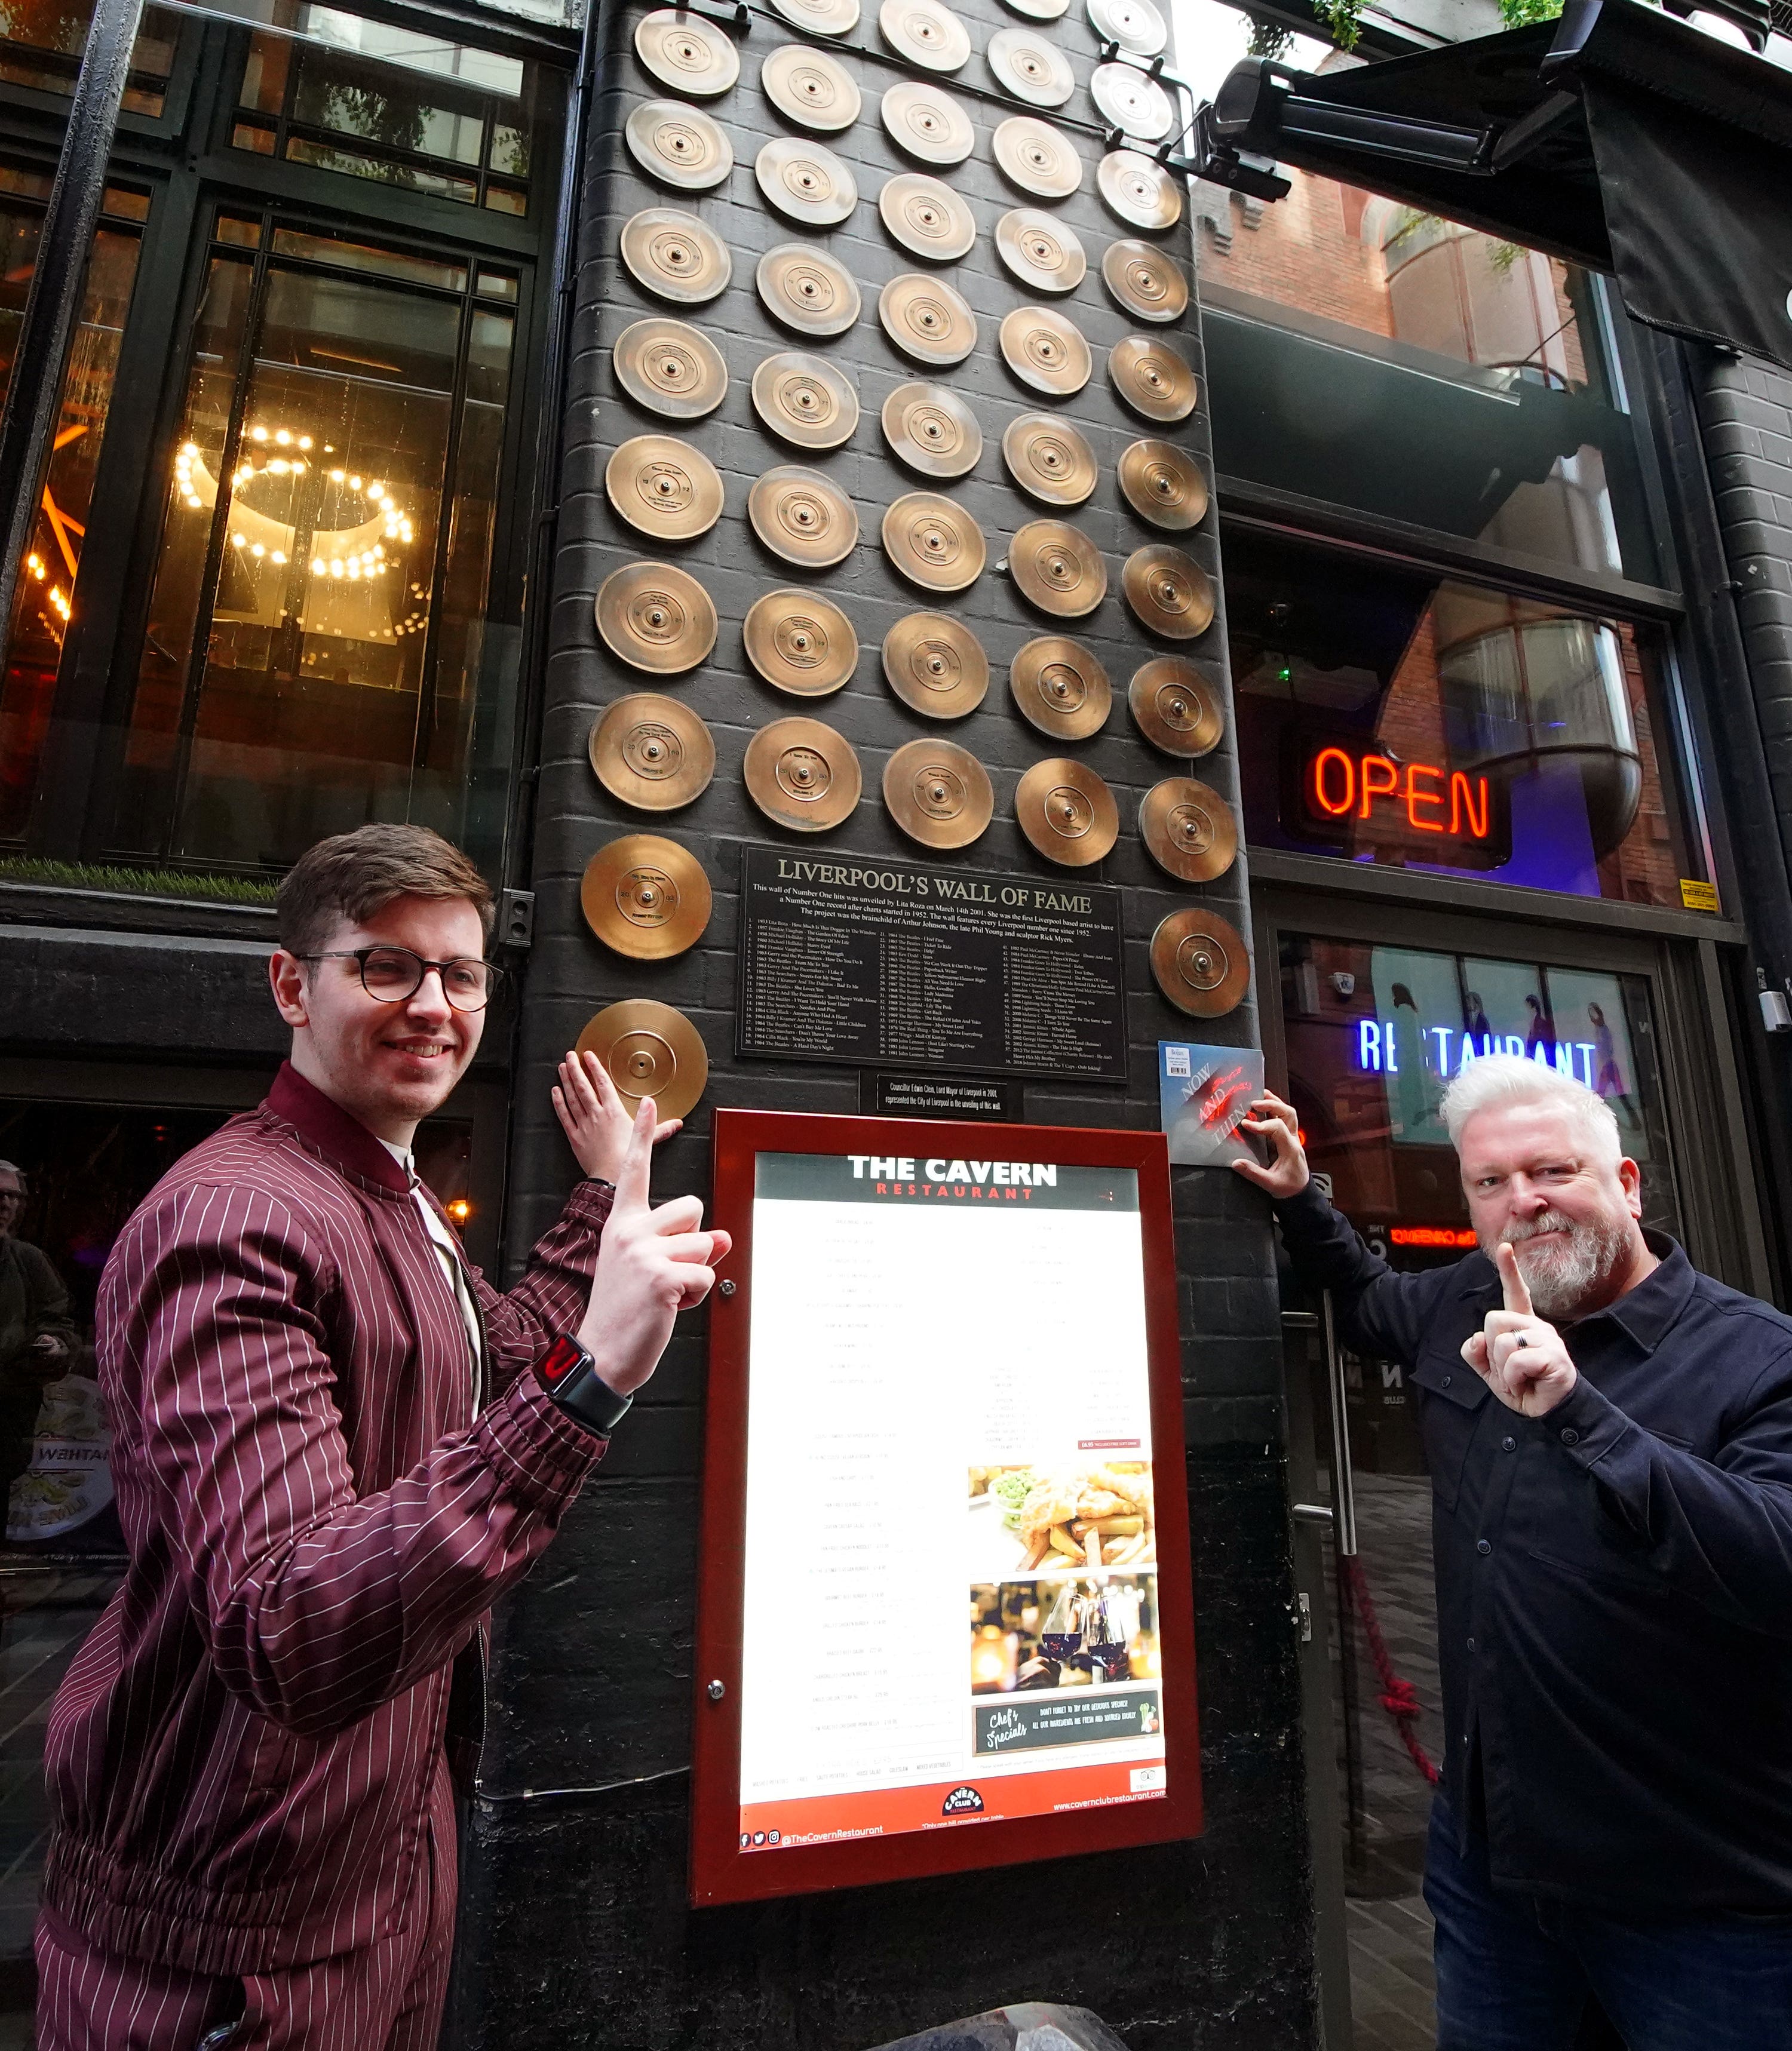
[(40, 43)]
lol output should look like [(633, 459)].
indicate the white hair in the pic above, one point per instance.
[(1495, 1079)]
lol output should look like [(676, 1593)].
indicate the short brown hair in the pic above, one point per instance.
[(354, 875)]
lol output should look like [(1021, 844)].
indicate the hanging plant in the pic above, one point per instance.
[(1269, 39), (1521, 14)]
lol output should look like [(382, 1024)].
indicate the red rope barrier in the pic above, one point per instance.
[(1398, 1696)]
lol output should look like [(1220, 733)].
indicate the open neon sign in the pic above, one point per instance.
[(1377, 1053), (1342, 786)]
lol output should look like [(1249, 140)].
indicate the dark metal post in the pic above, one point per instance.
[(53, 302)]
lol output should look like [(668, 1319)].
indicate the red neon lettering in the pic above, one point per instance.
[(1374, 768), (1333, 757), (1463, 805), (1430, 1235), (1432, 800)]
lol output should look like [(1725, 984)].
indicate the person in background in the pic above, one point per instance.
[(1607, 1079), (1474, 1019), (37, 1335), (1541, 1031), (1412, 1090)]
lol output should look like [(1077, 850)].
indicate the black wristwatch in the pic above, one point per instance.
[(569, 1375)]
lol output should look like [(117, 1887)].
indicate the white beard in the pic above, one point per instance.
[(1566, 1270)]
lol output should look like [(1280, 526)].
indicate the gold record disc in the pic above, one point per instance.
[(1163, 483), (1046, 350), (934, 541), (925, 122), (939, 794), (936, 665), (805, 182), (656, 616), (1032, 154), (1067, 812), (927, 319), (820, 18), (646, 896), (1200, 962), (1169, 592), (805, 400), (803, 774), (1174, 707), (807, 289), (664, 487), (679, 144), (1129, 100), (803, 517), (1040, 253), (928, 218), (1144, 281), (931, 430), (1138, 189), (651, 1051), (925, 31), (1061, 688), (1153, 378), (1057, 568), (1030, 66), (1049, 459), (652, 752), (1188, 830), (670, 368), (675, 257), (800, 642), (1133, 25), (809, 87), (1039, 10), (688, 52)]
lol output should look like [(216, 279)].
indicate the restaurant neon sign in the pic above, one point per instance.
[(1377, 1053)]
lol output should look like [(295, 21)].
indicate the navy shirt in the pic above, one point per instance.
[(1614, 1579)]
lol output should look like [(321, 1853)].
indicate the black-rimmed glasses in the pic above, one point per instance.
[(392, 975)]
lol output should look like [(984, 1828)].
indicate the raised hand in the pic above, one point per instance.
[(1287, 1173), (1519, 1355), (650, 1265), (593, 1117)]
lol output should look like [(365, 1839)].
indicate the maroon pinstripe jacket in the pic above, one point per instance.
[(240, 1758)]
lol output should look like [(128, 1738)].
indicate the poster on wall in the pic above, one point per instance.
[(946, 1616)]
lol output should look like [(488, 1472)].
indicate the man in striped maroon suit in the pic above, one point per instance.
[(334, 1445)]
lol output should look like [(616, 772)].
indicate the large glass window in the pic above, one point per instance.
[(40, 43)]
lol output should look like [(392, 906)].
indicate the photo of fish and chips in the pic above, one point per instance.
[(1069, 1633), (1084, 1514)]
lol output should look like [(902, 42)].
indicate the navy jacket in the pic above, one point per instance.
[(1614, 1580)]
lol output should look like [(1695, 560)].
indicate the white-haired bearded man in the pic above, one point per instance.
[(1609, 1435)]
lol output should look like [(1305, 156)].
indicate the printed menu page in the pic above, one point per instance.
[(951, 1571)]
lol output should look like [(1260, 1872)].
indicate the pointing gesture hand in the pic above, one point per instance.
[(1286, 1174), (1519, 1355)]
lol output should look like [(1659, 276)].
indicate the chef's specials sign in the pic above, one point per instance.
[(953, 1503)]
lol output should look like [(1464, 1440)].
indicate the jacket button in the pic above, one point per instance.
[(1471, 1645), (1570, 1437), (1481, 1545), (1508, 1445), (1447, 1380)]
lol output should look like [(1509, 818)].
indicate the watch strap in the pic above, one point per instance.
[(569, 1375)]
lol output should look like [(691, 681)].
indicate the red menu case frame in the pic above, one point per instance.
[(720, 1871)]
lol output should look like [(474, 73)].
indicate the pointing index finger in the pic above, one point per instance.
[(632, 1177), (1517, 1294)]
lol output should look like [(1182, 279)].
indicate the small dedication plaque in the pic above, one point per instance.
[(844, 959)]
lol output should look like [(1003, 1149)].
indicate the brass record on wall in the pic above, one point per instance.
[(800, 642), (1188, 829), (1134, 26), (688, 52), (656, 616), (1049, 458), (934, 541), (1169, 592), (926, 32), (1040, 251), (1039, 10), (651, 752), (926, 216), (1030, 65), (939, 794), (1032, 154), (803, 517), (927, 319), (1200, 962), (651, 1051), (802, 773), (805, 400), (1134, 104), (1154, 378), (936, 665), (805, 181), (1145, 281), (1061, 688), (675, 257), (807, 289), (1139, 190), (1057, 568), (1163, 483), (679, 144), (663, 487), (924, 122), (1174, 707), (646, 896), (1067, 812), (820, 18), (1045, 348), (931, 430), (809, 87), (670, 367)]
